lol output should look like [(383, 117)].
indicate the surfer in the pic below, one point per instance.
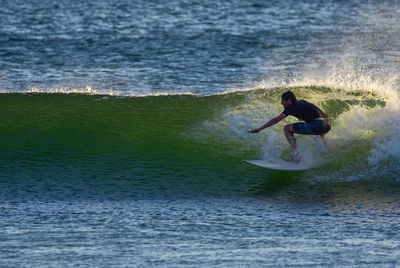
[(316, 122)]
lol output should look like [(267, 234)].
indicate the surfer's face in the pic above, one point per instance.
[(286, 103)]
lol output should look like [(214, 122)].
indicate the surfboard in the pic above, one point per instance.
[(279, 164)]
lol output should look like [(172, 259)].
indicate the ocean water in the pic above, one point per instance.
[(123, 126)]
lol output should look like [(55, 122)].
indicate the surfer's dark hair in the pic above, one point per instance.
[(289, 95)]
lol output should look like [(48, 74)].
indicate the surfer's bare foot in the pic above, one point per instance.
[(294, 158)]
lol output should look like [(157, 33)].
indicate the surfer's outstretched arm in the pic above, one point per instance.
[(271, 122)]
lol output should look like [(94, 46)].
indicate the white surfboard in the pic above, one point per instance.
[(279, 164)]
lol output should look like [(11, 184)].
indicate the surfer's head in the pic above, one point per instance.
[(289, 95), (288, 98)]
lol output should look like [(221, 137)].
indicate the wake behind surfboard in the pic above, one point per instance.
[(279, 164)]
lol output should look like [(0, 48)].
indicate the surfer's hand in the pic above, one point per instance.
[(254, 131)]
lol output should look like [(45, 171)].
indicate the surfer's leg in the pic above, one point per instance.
[(289, 133), (324, 145)]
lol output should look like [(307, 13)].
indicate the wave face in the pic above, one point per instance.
[(186, 145)]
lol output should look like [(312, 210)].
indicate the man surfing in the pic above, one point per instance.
[(316, 122)]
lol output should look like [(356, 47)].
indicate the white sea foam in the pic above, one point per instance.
[(91, 90), (377, 125)]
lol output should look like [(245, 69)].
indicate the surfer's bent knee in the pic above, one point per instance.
[(288, 128)]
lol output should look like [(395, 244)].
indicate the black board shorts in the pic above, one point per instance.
[(315, 127)]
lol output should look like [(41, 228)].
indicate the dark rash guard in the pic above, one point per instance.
[(304, 111)]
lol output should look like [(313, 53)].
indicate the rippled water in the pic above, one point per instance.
[(201, 232), (187, 46)]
